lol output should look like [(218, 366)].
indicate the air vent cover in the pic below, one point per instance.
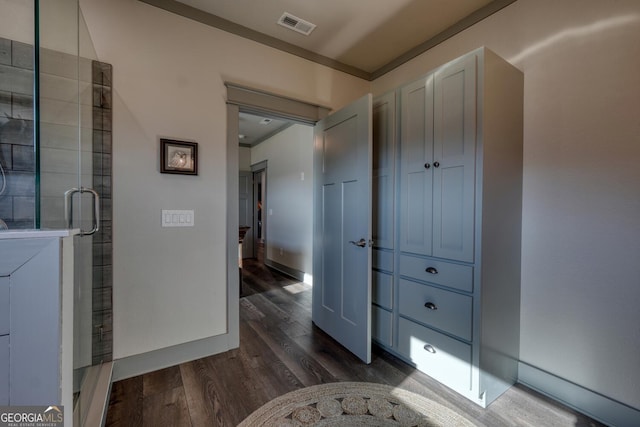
[(296, 24)]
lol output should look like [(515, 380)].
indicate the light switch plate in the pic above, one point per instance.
[(178, 218)]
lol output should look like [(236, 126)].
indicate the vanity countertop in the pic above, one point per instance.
[(35, 234)]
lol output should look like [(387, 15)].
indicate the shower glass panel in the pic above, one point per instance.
[(63, 130), (55, 156), (70, 121), (17, 160)]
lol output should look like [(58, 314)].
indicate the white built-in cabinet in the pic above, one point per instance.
[(447, 223)]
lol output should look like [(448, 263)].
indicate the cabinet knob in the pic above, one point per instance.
[(430, 306), (427, 165), (436, 164), (431, 270), (429, 348)]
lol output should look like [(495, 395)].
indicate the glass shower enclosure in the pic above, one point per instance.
[(55, 157)]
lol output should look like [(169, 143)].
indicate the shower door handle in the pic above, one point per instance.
[(96, 211), (68, 206), (68, 209)]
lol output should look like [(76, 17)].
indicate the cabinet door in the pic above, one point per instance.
[(416, 146), (384, 160), (4, 305), (454, 160)]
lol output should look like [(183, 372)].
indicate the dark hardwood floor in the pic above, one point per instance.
[(280, 351)]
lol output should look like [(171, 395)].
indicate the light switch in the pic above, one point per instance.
[(178, 218)]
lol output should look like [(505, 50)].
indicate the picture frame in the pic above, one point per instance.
[(178, 157)]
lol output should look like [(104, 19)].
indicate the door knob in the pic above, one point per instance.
[(361, 243)]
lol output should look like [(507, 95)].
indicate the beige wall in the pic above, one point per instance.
[(62, 29), (289, 208), (169, 74), (581, 208), (244, 158), (16, 20)]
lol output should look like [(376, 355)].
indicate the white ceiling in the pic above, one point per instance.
[(363, 37), (253, 129)]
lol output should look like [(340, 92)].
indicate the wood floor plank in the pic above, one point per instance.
[(279, 379), (249, 311), (203, 401), (160, 381), (125, 403), (233, 386), (166, 408), (306, 369), (217, 385), (273, 303)]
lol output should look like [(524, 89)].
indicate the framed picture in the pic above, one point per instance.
[(178, 157)]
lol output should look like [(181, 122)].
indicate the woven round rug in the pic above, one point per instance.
[(353, 404)]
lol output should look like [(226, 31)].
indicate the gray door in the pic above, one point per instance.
[(342, 227)]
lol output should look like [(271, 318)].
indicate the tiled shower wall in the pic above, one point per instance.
[(102, 247), (17, 203)]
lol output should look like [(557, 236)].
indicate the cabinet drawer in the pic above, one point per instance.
[(382, 284), (4, 306), (441, 272), (446, 360), (382, 325), (450, 312)]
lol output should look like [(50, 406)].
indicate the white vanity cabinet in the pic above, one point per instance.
[(36, 318), (4, 341), (456, 289)]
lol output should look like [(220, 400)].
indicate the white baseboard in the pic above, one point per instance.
[(595, 405), (139, 364)]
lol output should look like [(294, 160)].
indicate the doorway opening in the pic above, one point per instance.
[(276, 193)]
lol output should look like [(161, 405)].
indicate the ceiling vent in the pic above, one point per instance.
[(296, 24)]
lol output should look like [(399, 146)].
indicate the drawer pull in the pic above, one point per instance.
[(430, 306), (429, 348), (431, 270)]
